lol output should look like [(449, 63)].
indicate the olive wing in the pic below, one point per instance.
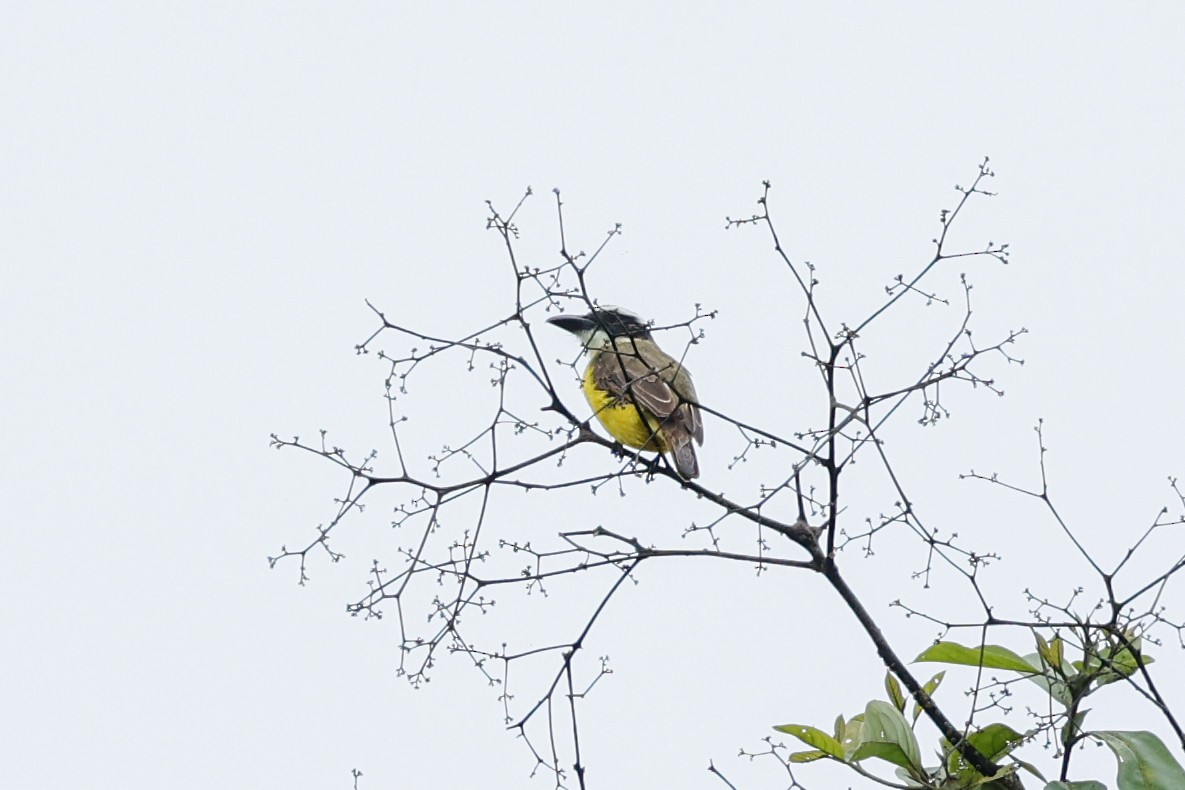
[(649, 385)]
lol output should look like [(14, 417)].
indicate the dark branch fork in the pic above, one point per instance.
[(455, 566)]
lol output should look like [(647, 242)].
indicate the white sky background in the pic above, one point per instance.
[(196, 200)]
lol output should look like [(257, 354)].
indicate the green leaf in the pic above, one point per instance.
[(893, 689), (813, 736), (993, 782), (1088, 785), (987, 656), (853, 731), (1031, 769), (1119, 664), (887, 735), (884, 750), (1053, 680), (1073, 728), (972, 780), (807, 757), (930, 687), (1053, 653), (1144, 761), (995, 740)]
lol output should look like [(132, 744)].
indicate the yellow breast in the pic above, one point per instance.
[(622, 418)]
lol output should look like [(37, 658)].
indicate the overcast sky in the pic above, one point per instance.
[(197, 198)]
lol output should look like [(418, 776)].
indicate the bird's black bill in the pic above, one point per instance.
[(572, 323)]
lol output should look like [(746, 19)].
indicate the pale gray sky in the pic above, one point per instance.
[(196, 199)]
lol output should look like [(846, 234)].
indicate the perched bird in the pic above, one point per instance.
[(642, 395)]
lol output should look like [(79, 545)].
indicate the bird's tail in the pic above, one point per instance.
[(683, 454)]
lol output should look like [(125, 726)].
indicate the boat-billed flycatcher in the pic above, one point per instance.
[(642, 396)]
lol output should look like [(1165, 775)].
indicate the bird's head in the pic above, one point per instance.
[(596, 329)]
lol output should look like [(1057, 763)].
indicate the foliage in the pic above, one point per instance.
[(883, 732)]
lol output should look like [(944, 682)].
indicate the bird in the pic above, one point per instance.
[(641, 395)]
